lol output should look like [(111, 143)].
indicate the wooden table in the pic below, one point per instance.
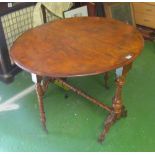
[(80, 46)]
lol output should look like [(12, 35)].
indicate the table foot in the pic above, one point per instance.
[(110, 120), (108, 123)]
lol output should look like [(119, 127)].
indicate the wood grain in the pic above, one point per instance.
[(77, 47)]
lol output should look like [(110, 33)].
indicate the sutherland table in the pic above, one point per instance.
[(81, 46)]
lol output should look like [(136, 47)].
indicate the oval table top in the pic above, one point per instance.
[(77, 47)]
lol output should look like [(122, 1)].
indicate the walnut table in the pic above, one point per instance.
[(74, 47)]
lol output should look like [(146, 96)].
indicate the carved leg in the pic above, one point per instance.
[(106, 77), (108, 123), (40, 93), (118, 108)]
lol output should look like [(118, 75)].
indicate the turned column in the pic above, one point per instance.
[(118, 108), (117, 100), (40, 93), (40, 86)]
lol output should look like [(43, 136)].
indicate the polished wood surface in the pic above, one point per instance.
[(77, 47)]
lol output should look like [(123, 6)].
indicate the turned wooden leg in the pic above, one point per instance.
[(118, 108), (41, 85), (108, 123), (40, 94)]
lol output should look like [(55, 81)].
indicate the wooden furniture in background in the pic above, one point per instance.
[(144, 13), (78, 49), (91, 8), (144, 18), (122, 11), (94, 8)]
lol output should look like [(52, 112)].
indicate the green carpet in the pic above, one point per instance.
[(74, 123)]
